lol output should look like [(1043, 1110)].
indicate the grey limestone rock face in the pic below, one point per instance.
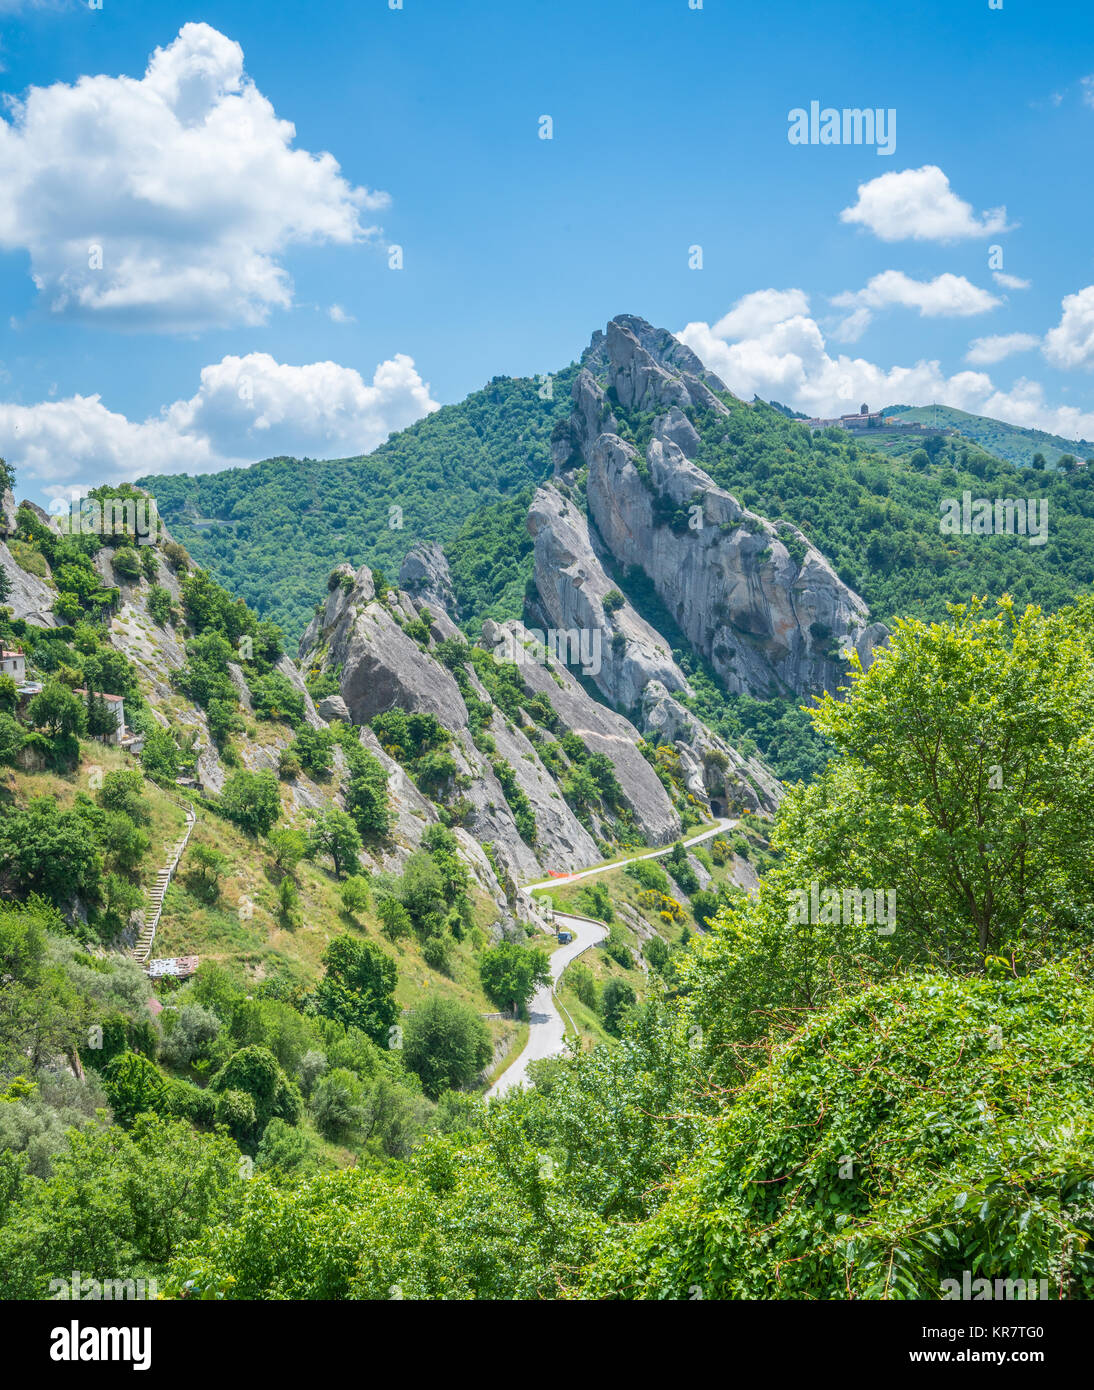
[(7, 512), (383, 668), (769, 623), (627, 653), (717, 772), (30, 598), (424, 574), (333, 707), (600, 728)]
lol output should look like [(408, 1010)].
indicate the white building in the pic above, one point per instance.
[(14, 664), (116, 705)]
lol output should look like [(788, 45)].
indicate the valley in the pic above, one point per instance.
[(642, 660)]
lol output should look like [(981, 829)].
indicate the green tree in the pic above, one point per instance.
[(358, 987), (207, 865), (134, 1085), (252, 800), (394, 918), (46, 850), (287, 847), (963, 780), (338, 1105), (446, 1043), (160, 755), (616, 1003), (366, 795), (121, 791), (255, 1072), (511, 974), (333, 833), (11, 740), (127, 564), (58, 712), (160, 605), (355, 894)]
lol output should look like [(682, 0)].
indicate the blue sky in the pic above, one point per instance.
[(244, 304)]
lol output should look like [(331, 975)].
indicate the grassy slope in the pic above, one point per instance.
[(259, 945), (1011, 442)]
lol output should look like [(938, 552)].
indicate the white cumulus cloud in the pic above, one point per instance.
[(245, 408), (946, 296), (790, 361), (1009, 282), (984, 351), (759, 310), (919, 205), (166, 202), (1071, 342)]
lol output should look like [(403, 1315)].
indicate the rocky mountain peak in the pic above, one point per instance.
[(760, 603), (424, 575)]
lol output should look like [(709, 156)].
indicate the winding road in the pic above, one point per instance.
[(546, 1031)]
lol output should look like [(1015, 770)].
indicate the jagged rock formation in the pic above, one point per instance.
[(30, 598), (383, 668), (601, 729), (572, 587), (715, 771), (424, 574), (757, 600)]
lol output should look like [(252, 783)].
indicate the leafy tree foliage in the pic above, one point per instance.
[(358, 987)]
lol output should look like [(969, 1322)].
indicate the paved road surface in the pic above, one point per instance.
[(546, 1032)]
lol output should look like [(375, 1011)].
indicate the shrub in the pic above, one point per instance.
[(649, 874), (446, 1044), (618, 1000)]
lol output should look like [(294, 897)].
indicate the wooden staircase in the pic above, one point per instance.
[(143, 948)]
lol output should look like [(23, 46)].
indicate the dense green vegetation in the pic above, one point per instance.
[(877, 519), (462, 476), (1010, 442), (241, 524), (802, 1105)]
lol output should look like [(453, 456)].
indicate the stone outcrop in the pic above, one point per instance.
[(30, 598), (383, 668), (572, 586), (600, 729), (715, 771), (424, 574), (333, 707), (760, 603)]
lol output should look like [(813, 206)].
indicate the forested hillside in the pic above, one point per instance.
[(1010, 442), (823, 1110), (423, 484), (840, 1049)]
